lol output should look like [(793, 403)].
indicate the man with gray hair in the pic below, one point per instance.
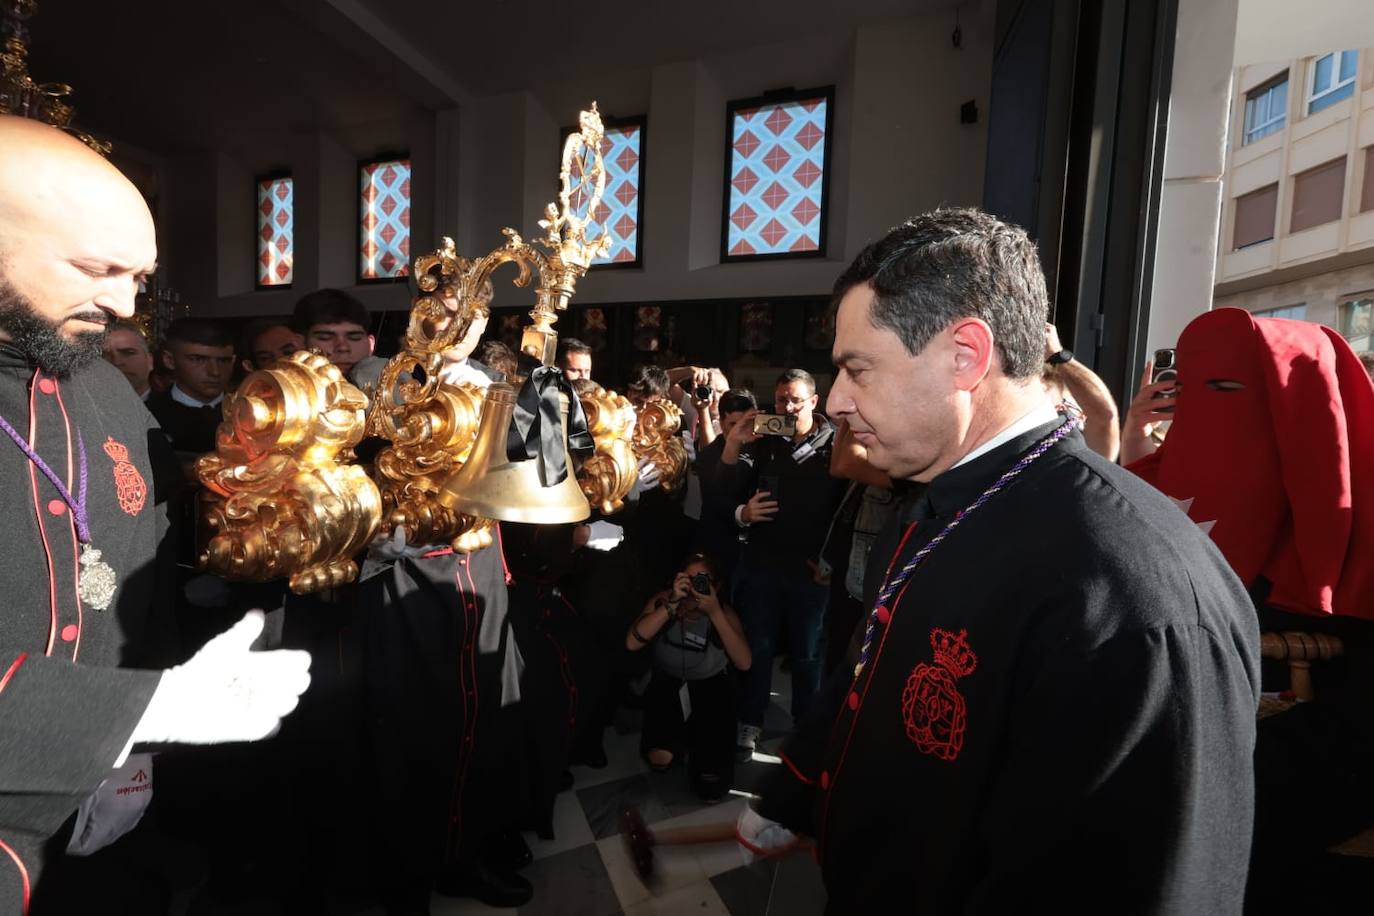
[(127, 350), (1050, 702)]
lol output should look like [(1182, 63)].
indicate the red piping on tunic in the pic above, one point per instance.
[(870, 670), (23, 872), (14, 666), (71, 523), (796, 772), (38, 517)]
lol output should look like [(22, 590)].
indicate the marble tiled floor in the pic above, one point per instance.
[(585, 870)]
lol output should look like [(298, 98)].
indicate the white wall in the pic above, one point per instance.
[(898, 149), (1194, 159)]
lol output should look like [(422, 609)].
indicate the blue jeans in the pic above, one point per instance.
[(764, 598)]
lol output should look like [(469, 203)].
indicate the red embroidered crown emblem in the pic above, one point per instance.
[(116, 450), (952, 652), (130, 488), (932, 708)]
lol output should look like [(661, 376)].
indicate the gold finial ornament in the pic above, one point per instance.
[(19, 94), (281, 503), (656, 438)]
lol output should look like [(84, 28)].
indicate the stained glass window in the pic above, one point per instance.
[(384, 239), (776, 195), (622, 204), (276, 244)]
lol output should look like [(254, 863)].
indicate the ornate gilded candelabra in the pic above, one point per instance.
[(19, 94), (284, 498)]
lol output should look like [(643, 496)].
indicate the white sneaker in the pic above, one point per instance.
[(747, 741)]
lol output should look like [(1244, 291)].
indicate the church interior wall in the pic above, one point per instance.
[(899, 148)]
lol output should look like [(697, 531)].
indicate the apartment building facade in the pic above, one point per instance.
[(1297, 222)]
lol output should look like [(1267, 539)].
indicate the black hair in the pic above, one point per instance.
[(329, 306), (957, 263), (797, 375), (568, 345), (203, 331), (648, 381), (737, 400)]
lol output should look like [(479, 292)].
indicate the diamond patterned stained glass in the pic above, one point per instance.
[(384, 233), (622, 148), (276, 224), (776, 193)]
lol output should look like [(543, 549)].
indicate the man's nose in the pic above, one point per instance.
[(837, 402)]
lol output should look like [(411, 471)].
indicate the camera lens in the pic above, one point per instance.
[(703, 392)]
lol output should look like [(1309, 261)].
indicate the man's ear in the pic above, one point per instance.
[(974, 352), (371, 344), (167, 362)]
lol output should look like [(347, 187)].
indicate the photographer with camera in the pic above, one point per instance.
[(689, 703), (778, 468)]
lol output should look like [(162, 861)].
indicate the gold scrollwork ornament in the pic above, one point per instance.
[(280, 501)]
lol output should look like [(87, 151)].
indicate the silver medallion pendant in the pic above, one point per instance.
[(97, 580)]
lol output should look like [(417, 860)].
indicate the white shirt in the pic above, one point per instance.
[(462, 373), (1039, 416), (183, 398)]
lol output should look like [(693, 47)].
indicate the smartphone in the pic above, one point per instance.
[(774, 424), (768, 483), (1166, 370)]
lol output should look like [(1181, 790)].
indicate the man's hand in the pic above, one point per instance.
[(682, 587), (1052, 343), (648, 477), (742, 433), (1143, 415), (394, 546), (760, 508), (1144, 411), (603, 535), (226, 692)]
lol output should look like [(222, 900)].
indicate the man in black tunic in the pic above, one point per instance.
[(79, 475), (1057, 707)]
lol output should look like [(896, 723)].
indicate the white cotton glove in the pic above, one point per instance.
[(605, 536), (394, 547), (760, 837), (225, 692), (649, 476)]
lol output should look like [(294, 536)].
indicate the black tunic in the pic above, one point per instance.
[(66, 707), (191, 429), (1061, 710)]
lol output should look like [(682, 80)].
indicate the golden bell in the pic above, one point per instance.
[(490, 485)]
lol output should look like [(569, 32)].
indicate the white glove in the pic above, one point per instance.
[(394, 546), (225, 692), (605, 536), (649, 476), (760, 837)]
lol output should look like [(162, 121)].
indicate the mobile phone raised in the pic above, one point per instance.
[(775, 424)]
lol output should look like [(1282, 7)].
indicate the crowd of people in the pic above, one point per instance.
[(1072, 677)]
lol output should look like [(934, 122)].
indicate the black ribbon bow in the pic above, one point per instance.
[(536, 428)]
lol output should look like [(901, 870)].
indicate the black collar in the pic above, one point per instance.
[(12, 358), (956, 488)]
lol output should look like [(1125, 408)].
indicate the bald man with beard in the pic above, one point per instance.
[(85, 518)]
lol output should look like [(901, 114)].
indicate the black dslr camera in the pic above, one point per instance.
[(701, 583)]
